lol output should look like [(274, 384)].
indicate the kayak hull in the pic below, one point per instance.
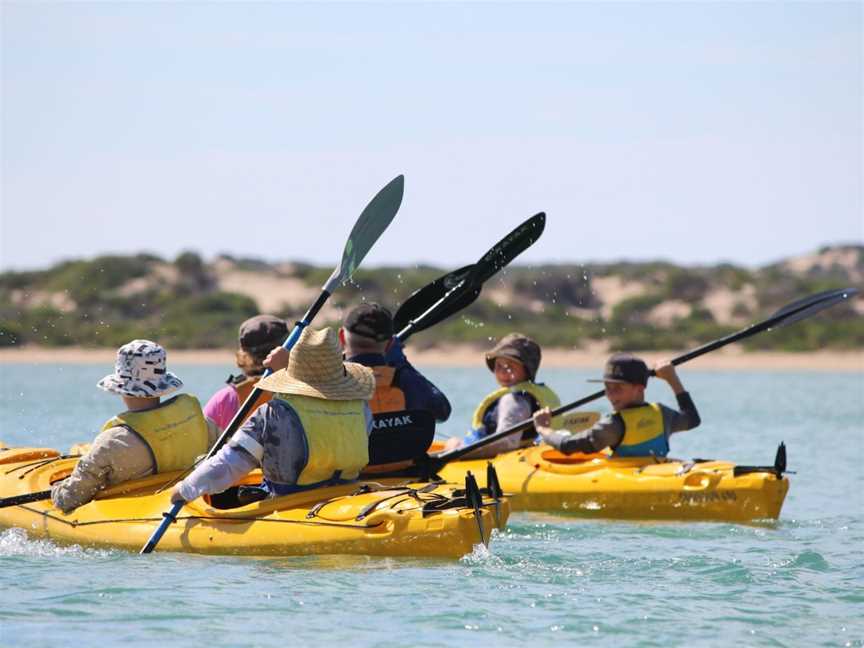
[(596, 486), (386, 520)]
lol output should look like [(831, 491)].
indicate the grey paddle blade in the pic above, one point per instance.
[(809, 306), (371, 224)]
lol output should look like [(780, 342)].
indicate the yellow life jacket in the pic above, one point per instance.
[(542, 394), (175, 431), (387, 397), (644, 432), (335, 437)]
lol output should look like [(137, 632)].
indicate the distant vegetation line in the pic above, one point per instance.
[(189, 303)]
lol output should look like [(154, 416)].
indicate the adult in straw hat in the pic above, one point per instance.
[(314, 432), (151, 436), (257, 337), (367, 338)]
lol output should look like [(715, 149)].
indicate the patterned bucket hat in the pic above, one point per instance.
[(315, 368), (140, 371)]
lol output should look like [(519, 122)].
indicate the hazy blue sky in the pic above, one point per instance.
[(694, 132)]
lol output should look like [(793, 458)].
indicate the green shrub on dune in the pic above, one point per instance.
[(110, 299)]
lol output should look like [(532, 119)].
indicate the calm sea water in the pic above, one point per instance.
[(547, 580)]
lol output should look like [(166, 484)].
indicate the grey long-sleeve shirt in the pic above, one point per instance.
[(609, 430), (266, 432)]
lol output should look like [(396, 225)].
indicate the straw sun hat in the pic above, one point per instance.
[(315, 369)]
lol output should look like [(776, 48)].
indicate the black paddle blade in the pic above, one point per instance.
[(423, 299), (780, 459), (808, 306), (471, 277), (508, 248)]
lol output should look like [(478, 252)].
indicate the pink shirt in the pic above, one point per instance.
[(222, 406)]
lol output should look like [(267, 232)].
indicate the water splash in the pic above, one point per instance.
[(16, 542)]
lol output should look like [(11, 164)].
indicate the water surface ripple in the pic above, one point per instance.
[(549, 579)]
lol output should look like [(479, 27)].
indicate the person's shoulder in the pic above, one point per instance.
[(113, 438)]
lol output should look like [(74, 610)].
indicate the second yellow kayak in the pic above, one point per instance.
[(541, 479)]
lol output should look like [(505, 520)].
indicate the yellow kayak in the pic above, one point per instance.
[(390, 519), (541, 479)]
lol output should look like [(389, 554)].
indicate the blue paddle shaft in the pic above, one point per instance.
[(247, 406), (168, 518)]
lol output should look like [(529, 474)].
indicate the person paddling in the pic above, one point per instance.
[(312, 433), (635, 428), (258, 336), (367, 338), (514, 361), (149, 437)]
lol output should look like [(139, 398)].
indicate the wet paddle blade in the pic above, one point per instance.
[(508, 248), (471, 277), (428, 296), (809, 306), (368, 228)]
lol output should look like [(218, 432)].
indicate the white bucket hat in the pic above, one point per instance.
[(315, 368), (140, 371)]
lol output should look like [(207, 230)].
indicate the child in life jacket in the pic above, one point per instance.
[(514, 361), (635, 428), (257, 337)]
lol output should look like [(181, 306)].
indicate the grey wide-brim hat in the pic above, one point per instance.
[(518, 347), (140, 371)]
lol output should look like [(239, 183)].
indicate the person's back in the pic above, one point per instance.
[(635, 428), (257, 337), (367, 338), (314, 431), (149, 437)]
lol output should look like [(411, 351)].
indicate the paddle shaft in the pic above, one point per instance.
[(17, 500), (788, 313), (372, 222), (250, 401)]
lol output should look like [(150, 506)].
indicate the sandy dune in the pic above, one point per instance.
[(467, 356)]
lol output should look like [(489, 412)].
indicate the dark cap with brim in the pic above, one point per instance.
[(262, 333), (371, 321), (625, 368)]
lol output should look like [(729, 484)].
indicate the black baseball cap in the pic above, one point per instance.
[(262, 333), (370, 321), (625, 368)]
